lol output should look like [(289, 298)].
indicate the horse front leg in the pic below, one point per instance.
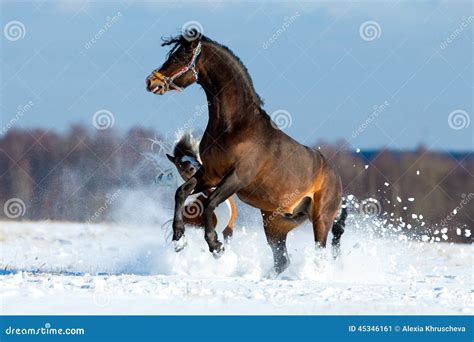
[(179, 240), (228, 186)]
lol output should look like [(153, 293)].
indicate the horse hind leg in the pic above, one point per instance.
[(322, 223), (229, 230), (281, 261), (323, 214), (276, 230), (324, 219), (338, 230), (321, 227)]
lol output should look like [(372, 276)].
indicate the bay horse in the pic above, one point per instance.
[(243, 152), (186, 160)]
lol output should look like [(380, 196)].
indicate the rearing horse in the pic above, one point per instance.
[(244, 153)]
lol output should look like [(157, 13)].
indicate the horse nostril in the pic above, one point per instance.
[(192, 169), (156, 87)]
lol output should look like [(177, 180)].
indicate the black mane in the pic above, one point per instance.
[(177, 41), (186, 146)]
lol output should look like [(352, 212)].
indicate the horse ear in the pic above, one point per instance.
[(170, 158)]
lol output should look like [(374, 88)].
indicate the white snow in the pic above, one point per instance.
[(71, 268)]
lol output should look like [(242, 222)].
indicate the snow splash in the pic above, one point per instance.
[(128, 266), (139, 243)]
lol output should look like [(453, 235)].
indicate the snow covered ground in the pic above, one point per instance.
[(69, 268)]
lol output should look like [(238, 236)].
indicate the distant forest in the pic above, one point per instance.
[(68, 176)]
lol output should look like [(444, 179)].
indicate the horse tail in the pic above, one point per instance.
[(338, 228)]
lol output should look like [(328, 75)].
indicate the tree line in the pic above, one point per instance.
[(69, 176)]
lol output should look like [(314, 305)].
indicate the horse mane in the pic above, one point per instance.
[(177, 41), (186, 145)]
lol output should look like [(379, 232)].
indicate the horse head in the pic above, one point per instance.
[(181, 68), (186, 155)]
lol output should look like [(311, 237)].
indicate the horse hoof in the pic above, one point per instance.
[(272, 274), (217, 253), (278, 269), (180, 244), (275, 272)]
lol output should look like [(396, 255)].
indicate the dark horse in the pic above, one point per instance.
[(244, 153)]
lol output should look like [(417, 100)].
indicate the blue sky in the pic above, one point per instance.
[(313, 60)]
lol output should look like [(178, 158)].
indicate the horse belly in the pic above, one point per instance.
[(283, 201)]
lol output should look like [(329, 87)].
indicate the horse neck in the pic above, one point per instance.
[(231, 98)]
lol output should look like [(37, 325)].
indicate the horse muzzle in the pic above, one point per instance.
[(158, 88), (157, 84)]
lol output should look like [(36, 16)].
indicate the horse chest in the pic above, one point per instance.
[(215, 162)]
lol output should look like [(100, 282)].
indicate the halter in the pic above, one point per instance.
[(169, 81)]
